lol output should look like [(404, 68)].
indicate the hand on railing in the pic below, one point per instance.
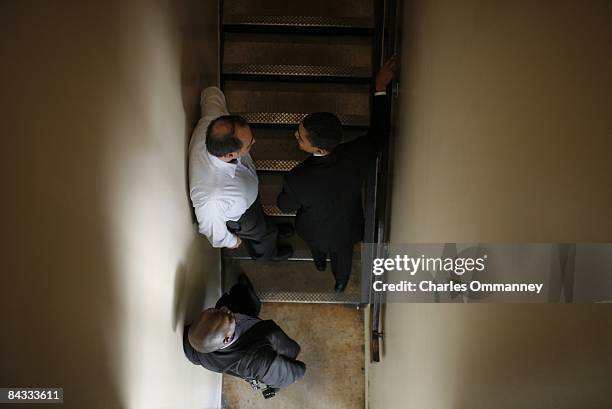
[(386, 73)]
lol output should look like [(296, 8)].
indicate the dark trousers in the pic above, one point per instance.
[(341, 259), (241, 299), (257, 230)]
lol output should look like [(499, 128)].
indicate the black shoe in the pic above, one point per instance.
[(283, 252), (340, 286), (285, 230), (243, 279), (320, 264)]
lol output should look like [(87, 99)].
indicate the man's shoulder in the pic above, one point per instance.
[(258, 336), (299, 172), (197, 142), (190, 353), (262, 328)]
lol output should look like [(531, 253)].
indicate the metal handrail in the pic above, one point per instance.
[(379, 225)]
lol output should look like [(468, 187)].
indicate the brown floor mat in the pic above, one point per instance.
[(332, 341)]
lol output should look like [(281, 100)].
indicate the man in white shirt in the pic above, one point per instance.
[(223, 183)]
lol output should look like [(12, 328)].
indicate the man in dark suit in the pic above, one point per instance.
[(230, 338), (325, 189)]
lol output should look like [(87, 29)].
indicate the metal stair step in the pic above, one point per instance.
[(293, 118), (296, 57), (314, 15), (273, 210), (351, 8), (258, 54), (274, 147), (297, 71), (276, 165), (286, 103), (289, 22), (310, 297)]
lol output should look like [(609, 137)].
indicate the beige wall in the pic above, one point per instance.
[(504, 136), (494, 356), (505, 126), (100, 259)]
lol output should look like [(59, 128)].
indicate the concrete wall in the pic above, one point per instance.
[(504, 136), (100, 259)]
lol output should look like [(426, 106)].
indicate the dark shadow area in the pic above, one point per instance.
[(383, 314), (195, 288)]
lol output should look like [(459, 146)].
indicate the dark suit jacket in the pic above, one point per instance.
[(264, 352), (326, 190)]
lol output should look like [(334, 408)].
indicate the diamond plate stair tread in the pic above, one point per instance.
[(276, 143), (276, 164), (293, 118), (273, 210), (276, 154), (297, 56), (295, 281), (286, 103), (299, 21), (346, 8), (310, 297), (297, 70)]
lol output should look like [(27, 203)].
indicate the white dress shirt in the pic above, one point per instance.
[(220, 191)]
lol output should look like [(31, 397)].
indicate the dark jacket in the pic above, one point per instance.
[(326, 190), (264, 353)]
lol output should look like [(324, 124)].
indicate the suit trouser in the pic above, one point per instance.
[(257, 230), (341, 259)]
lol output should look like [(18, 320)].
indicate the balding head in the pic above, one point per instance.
[(229, 137), (212, 330)]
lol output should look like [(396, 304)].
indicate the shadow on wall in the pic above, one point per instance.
[(190, 92), (195, 289), (199, 64)]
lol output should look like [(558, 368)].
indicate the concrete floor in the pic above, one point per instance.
[(332, 341)]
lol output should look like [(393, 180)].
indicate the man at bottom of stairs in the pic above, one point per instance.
[(231, 339)]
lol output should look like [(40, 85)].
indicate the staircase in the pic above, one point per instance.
[(281, 61)]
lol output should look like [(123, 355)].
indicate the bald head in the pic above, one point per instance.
[(212, 330)]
